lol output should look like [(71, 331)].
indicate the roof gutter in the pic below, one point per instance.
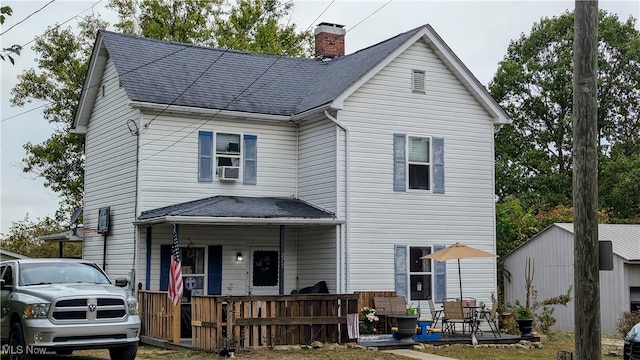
[(210, 220), (197, 111), (316, 110)]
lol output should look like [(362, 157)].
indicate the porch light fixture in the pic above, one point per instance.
[(239, 257)]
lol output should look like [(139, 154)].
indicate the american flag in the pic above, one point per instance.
[(175, 271)]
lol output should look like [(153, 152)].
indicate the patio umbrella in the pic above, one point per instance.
[(458, 251)]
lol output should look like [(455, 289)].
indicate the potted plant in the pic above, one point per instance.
[(407, 323), (368, 320), (524, 318)]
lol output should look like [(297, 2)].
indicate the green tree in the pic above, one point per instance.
[(23, 238), (254, 26), (619, 185), (514, 225), (13, 49), (533, 84), (247, 25), (187, 21), (63, 58)]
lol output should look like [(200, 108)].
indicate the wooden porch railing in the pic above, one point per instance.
[(156, 314), (253, 321)]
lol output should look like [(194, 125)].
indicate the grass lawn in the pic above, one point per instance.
[(550, 347)]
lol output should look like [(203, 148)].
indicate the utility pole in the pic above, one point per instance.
[(585, 181)]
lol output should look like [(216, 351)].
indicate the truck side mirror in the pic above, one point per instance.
[(4, 286), (122, 282)]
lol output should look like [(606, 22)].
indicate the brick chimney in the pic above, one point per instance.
[(329, 40)]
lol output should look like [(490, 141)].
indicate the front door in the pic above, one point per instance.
[(264, 269)]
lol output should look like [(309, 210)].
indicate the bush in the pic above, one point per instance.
[(626, 321)]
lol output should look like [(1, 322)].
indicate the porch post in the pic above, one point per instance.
[(281, 282)]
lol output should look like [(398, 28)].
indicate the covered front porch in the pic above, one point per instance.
[(239, 247)]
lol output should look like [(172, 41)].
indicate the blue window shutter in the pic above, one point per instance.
[(205, 156), (214, 261), (250, 171), (438, 165), (165, 263), (399, 162), (400, 264), (440, 271)]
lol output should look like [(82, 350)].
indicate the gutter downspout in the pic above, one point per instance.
[(345, 282), (135, 131)]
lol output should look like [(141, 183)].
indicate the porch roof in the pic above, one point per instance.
[(229, 210)]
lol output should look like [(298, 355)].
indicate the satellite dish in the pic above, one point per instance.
[(76, 215)]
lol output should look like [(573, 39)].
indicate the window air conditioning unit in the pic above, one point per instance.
[(229, 173)]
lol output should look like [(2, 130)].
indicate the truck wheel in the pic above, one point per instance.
[(124, 352), (64, 352), (16, 341)]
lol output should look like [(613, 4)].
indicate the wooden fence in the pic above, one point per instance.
[(156, 314), (253, 321)]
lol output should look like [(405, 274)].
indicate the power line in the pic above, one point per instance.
[(30, 15), (26, 111), (238, 97)]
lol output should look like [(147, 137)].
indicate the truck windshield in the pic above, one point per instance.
[(59, 273)]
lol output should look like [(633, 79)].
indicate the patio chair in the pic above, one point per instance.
[(387, 307), (490, 317), (435, 314), (454, 314)]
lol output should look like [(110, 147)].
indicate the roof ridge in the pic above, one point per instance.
[(198, 46)]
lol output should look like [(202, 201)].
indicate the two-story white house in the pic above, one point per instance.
[(276, 173)]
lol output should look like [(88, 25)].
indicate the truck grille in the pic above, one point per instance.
[(88, 309)]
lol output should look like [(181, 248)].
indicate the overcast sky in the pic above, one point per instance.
[(477, 31)]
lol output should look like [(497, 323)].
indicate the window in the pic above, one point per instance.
[(418, 163), (226, 149), (192, 261), (418, 81), (419, 273), (205, 156), (7, 275)]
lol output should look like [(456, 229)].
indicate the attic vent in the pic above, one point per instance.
[(418, 80)]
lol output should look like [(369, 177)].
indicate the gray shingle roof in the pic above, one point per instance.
[(164, 72), (625, 238), (240, 206)]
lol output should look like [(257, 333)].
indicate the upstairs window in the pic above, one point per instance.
[(418, 163), (227, 150), (216, 150)]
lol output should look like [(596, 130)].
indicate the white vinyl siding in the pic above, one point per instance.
[(379, 216), (317, 161), (169, 160), (317, 256), (110, 151)]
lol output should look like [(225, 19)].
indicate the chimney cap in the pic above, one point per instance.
[(331, 24), (325, 27)]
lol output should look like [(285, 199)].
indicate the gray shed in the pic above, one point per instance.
[(552, 253)]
